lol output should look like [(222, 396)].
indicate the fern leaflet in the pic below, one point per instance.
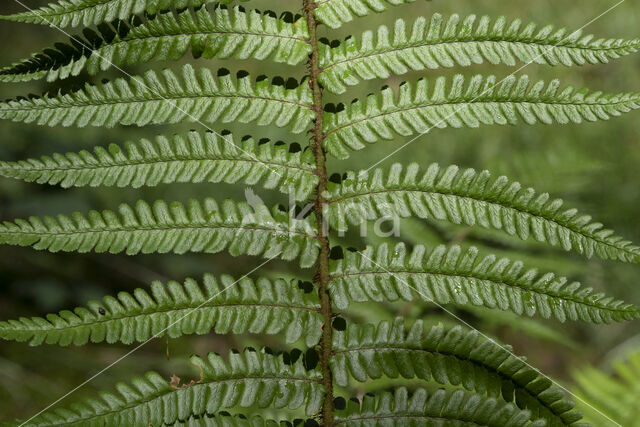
[(335, 13), (162, 228), (444, 43), (222, 306), (450, 275), (221, 34), (480, 100), (438, 408), (455, 357), (72, 13), (195, 157), (253, 379), (472, 198), (151, 99)]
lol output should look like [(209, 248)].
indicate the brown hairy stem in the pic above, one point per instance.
[(322, 275)]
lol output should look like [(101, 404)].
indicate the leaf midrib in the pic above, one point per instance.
[(397, 110), (571, 298), (16, 166), (193, 308), (495, 202), (62, 104), (540, 43), (158, 228)]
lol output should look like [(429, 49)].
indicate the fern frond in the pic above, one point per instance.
[(335, 13), (438, 408), (152, 99), (441, 42), (456, 357), (253, 379), (416, 109), (194, 157), (199, 227), (72, 13), (450, 275), (472, 198), (222, 33), (222, 306)]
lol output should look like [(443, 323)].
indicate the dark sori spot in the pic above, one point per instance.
[(339, 324), (295, 147), (306, 286), (336, 178), (289, 358), (339, 403), (336, 253), (310, 359)]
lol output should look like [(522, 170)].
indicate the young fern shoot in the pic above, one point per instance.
[(483, 382)]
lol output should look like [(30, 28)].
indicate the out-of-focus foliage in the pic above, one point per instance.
[(610, 398)]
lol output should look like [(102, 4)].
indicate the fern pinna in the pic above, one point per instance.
[(484, 383)]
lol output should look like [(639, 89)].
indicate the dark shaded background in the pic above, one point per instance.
[(593, 166)]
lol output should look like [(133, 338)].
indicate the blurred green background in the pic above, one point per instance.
[(593, 166)]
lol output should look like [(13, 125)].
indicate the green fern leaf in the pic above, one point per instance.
[(224, 306), (251, 380), (151, 99), (221, 34), (455, 41), (438, 408), (480, 100), (472, 198), (72, 13), (456, 357), (335, 13), (192, 158), (199, 227), (450, 275)]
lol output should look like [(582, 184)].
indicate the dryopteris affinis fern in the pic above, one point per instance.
[(487, 384)]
